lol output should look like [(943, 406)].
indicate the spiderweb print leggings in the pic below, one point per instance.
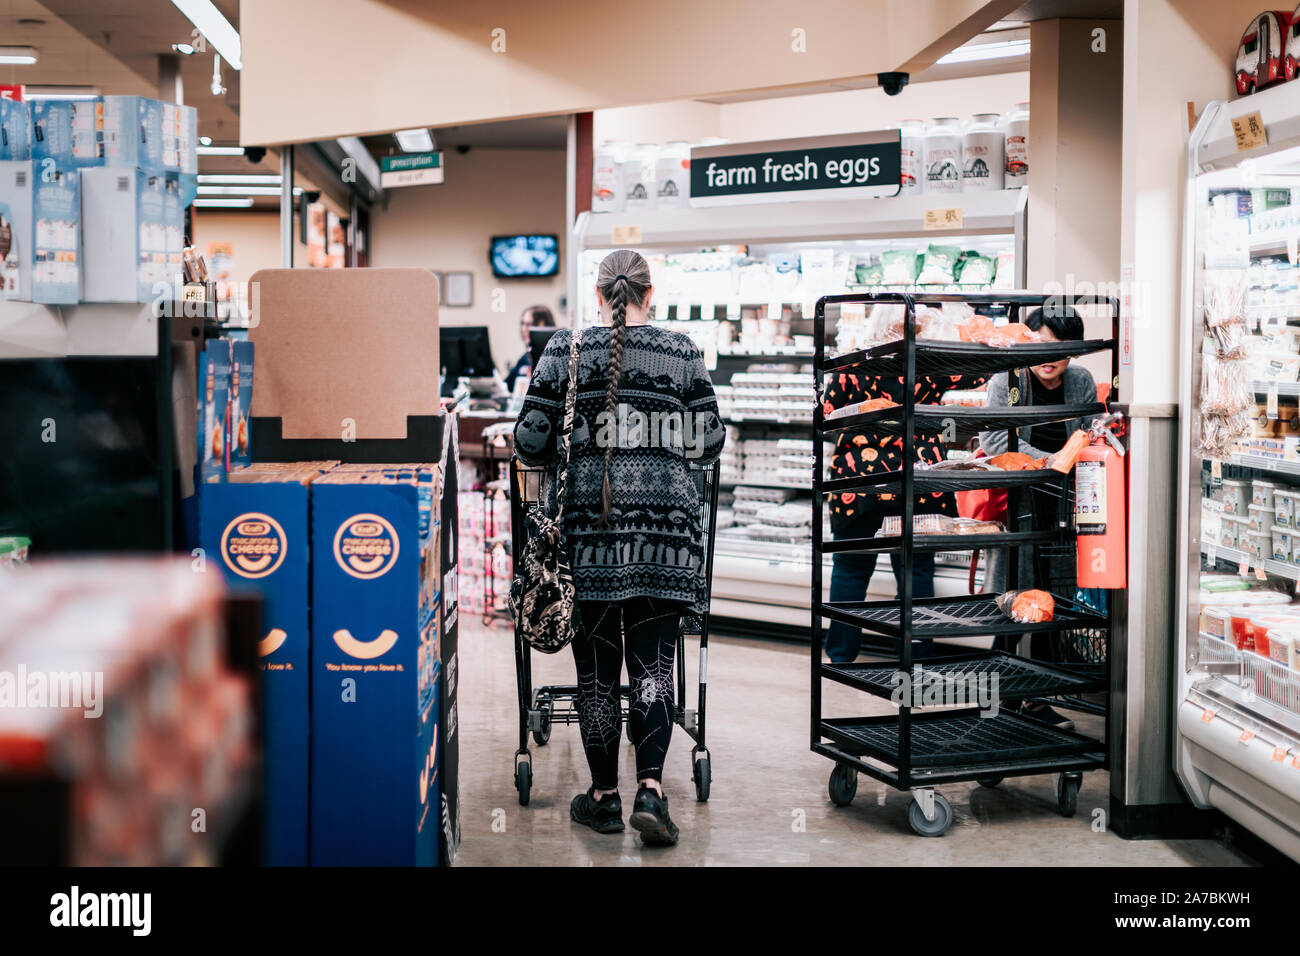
[(645, 631)]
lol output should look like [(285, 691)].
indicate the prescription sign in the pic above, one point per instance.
[(855, 165)]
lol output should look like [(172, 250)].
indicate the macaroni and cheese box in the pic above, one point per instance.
[(255, 527), (375, 664)]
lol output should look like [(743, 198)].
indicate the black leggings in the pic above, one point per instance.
[(648, 630)]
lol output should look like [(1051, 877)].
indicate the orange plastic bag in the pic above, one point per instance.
[(1012, 333), (1014, 461), (1028, 607), (977, 328)]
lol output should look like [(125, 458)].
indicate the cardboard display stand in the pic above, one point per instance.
[(347, 361)]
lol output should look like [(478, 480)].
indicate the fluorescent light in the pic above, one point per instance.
[(184, 49), (215, 28), (18, 55), (239, 179), (205, 140), (220, 150), (224, 203), (414, 140), (297, 190), (239, 190), (986, 51)]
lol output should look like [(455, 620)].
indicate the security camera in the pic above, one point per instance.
[(892, 83), (255, 154)]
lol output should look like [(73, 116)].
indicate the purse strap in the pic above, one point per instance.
[(566, 428)]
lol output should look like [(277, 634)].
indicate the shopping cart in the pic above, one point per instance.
[(541, 708)]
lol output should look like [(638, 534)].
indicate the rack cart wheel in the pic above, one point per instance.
[(543, 732), (523, 776), (1067, 792), (843, 785), (988, 782), (701, 773), (941, 810)]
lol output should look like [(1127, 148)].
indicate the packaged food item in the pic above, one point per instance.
[(898, 266), (1017, 147), (912, 146), (1217, 621), (978, 328), (870, 273), (983, 151), (214, 410), (1015, 461), (857, 408), (673, 174), (241, 401), (1228, 532), (921, 524), (639, 187), (1261, 493), (943, 142), (938, 264), (1013, 333), (1241, 632), (1284, 507), (1260, 518), (1028, 607), (975, 526), (1282, 647), (1260, 543), (607, 178), (975, 269), (1236, 496), (1281, 543)]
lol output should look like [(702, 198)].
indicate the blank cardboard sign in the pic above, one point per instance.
[(340, 346)]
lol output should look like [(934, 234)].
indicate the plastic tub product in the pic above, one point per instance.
[(1017, 149), (1284, 508), (943, 155), (1236, 496), (1281, 543), (1259, 517), (1261, 493), (673, 174), (913, 156), (607, 177), (1258, 597), (1281, 647), (639, 185), (1228, 532), (1217, 621), (983, 154), (1242, 632), (1260, 543)]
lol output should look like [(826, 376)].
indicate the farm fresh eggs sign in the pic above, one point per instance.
[(832, 167)]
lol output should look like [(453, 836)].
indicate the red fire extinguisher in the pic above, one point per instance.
[(1100, 504)]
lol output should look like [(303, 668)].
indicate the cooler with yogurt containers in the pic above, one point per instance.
[(1237, 700)]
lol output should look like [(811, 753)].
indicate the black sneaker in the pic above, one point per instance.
[(604, 815), (1048, 716), (650, 819)]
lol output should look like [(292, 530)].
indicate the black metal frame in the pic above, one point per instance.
[(1025, 746), (542, 707)]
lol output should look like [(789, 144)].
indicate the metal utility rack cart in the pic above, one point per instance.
[(543, 707), (918, 751)]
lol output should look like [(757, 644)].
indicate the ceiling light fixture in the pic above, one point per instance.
[(17, 55), (414, 140), (972, 52), (184, 49), (239, 190), (205, 140), (239, 179), (208, 150), (216, 29), (224, 203)]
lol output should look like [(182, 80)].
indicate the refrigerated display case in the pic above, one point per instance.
[(1238, 703), (743, 281)]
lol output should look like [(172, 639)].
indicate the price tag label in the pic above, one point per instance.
[(1207, 715), (943, 218), (1279, 753), (1246, 736), (626, 235), (1259, 571), (1216, 469), (1249, 131), (1211, 551), (1272, 401), (1244, 568)]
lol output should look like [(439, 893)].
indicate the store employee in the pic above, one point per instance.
[(534, 317)]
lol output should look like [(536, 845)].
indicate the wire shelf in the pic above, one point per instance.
[(1017, 677), (961, 358), (951, 738), (955, 617), (944, 479), (939, 418), (941, 542)]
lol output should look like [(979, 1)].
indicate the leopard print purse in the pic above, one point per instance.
[(542, 598)]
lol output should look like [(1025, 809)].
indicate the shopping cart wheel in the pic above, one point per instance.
[(543, 732), (523, 779), (701, 773), (930, 828), (1067, 792), (843, 785), (989, 782)]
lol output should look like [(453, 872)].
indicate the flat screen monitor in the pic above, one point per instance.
[(537, 339), (525, 256), (465, 351)]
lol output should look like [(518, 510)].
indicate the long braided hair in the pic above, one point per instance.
[(623, 278)]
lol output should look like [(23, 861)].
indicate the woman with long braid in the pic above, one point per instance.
[(645, 408)]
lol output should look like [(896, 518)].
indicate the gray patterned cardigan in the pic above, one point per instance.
[(652, 545)]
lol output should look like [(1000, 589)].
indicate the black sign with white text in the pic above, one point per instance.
[(863, 164)]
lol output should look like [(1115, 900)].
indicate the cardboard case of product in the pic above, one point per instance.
[(345, 353)]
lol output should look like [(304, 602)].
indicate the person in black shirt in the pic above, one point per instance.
[(534, 317)]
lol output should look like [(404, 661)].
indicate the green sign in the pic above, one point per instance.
[(408, 161)]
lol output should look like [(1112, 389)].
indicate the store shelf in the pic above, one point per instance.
[(942, 479), (1223, 553), (943, 542), (946, 617), (1261, 463), (933, 418), (763, 420), (962, 358), (1017, 677), (959, 738), (1284, 389)]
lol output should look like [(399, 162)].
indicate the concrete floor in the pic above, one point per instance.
[(768, 805)]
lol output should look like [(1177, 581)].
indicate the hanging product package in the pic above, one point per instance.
[(1028, 607)]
